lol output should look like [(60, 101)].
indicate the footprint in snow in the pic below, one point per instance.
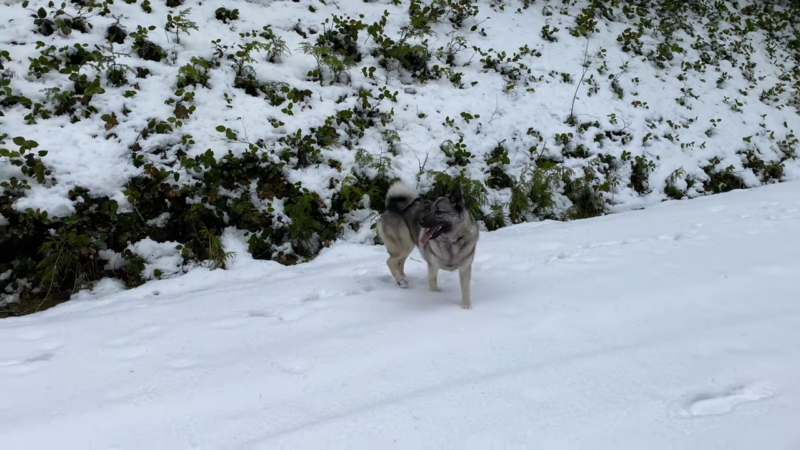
[(260, 313), (292, 366), (314, 295), (294, 314), (723, 402), (229, 323)]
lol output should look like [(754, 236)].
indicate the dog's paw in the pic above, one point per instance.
[(403, 284), (466, 306), (434, 289)]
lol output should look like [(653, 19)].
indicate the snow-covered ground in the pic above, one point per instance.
[(682, 120), (690, 106), (675, 327)]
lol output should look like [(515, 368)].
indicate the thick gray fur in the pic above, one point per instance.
[(407, 219)]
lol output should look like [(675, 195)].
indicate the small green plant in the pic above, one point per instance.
[(586, 195), (146, 49), (226, 15), (177, 24), (549, 34), (631, 40), (496, 160), (29, 162), (641, 167), (720, 181), (194, 73), (116, 33), (533, 195), (276, 47), (456, 152)]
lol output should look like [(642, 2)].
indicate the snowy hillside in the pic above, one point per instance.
[(676, 327), (134, 133)]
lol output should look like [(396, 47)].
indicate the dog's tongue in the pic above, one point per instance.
[(427, 236)]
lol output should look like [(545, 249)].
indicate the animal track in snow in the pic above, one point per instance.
[(260, 313), (294, 314), (319, 294), (293, 366), (725, 401), (43, 352), (27, 365), (232, 322)]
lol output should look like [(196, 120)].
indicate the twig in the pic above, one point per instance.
[(571, 117), (497, 110), (420, 164), (587, 63)]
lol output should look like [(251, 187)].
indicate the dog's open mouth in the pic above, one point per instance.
[(432, 233)]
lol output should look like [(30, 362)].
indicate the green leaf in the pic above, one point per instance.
[(221, 128), (19, 140), (41, 13)]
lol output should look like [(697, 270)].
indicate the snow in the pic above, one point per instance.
[(164, 257), (82, 155), (676, 326)]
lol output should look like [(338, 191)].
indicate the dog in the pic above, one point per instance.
[(443, 230)]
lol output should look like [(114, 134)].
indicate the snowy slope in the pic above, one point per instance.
[(699, 105), (672, 327)]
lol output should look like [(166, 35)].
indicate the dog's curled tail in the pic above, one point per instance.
[(399, 196)]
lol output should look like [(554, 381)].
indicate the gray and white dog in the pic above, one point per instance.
[(443, 230)]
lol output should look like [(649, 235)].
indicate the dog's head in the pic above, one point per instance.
[(445, 214)]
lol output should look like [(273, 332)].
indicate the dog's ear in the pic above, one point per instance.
[(456, 197)]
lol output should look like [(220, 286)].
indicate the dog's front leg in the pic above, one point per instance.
[(465, 276), (433, 272)]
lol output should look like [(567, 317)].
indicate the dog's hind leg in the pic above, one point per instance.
[(394, 266), (433, 272), (465, 276), (393, 234), (397, 260), (401, 266)]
